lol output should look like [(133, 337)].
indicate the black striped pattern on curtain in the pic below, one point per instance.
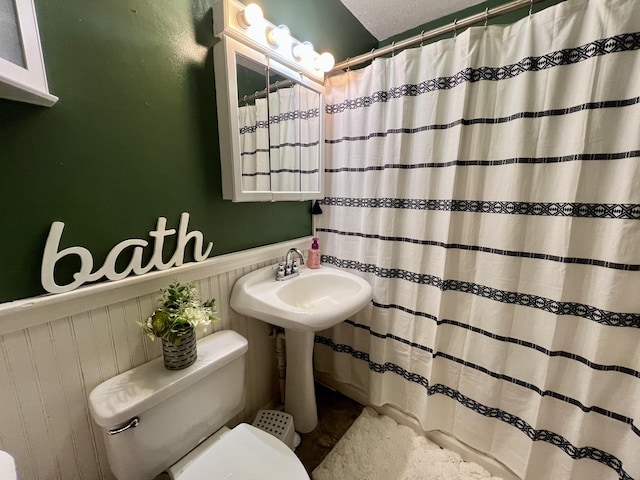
[(489, 189)]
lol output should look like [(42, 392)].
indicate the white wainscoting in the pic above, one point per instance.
[(55, 349)]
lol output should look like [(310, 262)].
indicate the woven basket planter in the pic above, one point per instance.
[(180, 355)]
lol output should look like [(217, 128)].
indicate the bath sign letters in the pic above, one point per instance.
[(108, 269)]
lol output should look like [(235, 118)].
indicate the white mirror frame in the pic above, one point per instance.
[(224, 56), (26, 84)]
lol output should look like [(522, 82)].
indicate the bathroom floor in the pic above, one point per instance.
[(336, 413)]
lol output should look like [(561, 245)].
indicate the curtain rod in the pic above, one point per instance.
[(263, 93), (436, 32)]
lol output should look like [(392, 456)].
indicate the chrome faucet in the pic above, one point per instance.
[(289, 268)]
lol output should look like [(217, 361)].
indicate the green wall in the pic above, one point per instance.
[(134, 135)]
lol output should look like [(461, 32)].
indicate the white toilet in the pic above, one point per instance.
[(156, 420)]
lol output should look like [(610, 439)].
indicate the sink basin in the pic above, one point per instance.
[(315, 300)]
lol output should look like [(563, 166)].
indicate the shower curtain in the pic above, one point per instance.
[(488, 187)]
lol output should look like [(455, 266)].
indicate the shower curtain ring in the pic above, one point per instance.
[(422, 38), (455, 28), (486, 16), (393, 49), (530, 7)]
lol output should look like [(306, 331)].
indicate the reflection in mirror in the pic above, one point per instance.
[(253, 123), (10, 38), (309, 102), (283, 134), (294, 133)]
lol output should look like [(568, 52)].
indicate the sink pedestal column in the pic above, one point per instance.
[(300, 394)]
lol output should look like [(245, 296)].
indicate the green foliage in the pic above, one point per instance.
[(179, 310)]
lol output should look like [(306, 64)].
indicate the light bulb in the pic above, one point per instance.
[(278, 35), (251, 15), (302, 51), (324, 62)]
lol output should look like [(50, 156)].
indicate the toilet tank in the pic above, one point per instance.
[(177, 409)]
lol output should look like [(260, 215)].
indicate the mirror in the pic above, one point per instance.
[(253, 119), (22, 70), (10, 38), (270, 120)]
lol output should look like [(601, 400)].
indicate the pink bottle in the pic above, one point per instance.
[(313, 257)]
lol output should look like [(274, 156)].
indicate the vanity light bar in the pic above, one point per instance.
[(247, 24), (278, 35), (251, 15)]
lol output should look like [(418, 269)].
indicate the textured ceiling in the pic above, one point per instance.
[(386, 18)]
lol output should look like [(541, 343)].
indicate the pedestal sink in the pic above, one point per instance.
[(314, 300)]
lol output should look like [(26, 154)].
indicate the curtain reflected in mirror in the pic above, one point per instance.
[(309, 103), (283, 134), (294, 133), (279, 130), (253, 117)]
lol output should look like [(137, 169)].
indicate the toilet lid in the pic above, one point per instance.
[(244, 453)]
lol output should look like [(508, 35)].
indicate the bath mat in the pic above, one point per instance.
[(378, 448)]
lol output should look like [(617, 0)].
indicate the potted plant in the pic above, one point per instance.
[(180, 310)]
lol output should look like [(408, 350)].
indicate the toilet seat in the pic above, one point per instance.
[(243, 453)]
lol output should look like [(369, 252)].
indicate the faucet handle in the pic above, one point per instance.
[(280, 272), (294, 266)]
